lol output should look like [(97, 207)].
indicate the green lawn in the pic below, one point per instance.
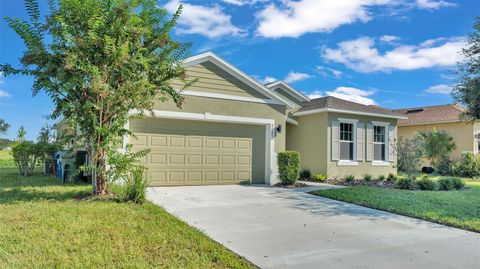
[(455, 208), (43, 226), (6, 159)]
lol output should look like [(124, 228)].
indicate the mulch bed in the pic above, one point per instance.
[(361, 182), (291, 186)]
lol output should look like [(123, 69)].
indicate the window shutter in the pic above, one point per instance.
[(360, 142), (392, 136), (335, 141), (369, 142)]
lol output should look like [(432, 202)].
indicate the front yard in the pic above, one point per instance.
[(460, 208), (42, 225)]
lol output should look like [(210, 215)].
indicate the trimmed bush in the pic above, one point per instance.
[(349, 178), (367, 177), (426, 184), (381, 178), (445, 184), (391, 177), (458, 183), (305, 174), (288, 166), (320, 177), (406, 183)]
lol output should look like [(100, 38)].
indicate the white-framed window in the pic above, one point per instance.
[(347, 141), (379, 143)]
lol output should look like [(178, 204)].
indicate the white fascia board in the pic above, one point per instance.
[(294, 93), (320, 110), (292, 121), (204, 117), (232, 70), (228, 97)]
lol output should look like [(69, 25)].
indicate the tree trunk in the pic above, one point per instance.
[(99, 172)]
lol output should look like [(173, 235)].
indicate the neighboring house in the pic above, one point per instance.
[(443, 117), (231, 126)]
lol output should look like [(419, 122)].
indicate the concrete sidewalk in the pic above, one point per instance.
[(282, 228)]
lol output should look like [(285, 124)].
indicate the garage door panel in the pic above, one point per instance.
[(179, 159)]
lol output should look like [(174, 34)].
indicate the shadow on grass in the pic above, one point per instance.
[(38, 187)]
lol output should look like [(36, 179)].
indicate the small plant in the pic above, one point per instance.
[(349, 178), (320, 177), (391, 177), (469, 166), (135, 185), (367, 177), (305, 174), (288, 166), (407, 183), (458, 183), (381, 178), (445, 184), (426, 184)]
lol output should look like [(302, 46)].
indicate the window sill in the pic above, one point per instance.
[(380, 163), (347, 163)]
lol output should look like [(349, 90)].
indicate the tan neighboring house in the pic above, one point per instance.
[(231, 127), (442, 117)]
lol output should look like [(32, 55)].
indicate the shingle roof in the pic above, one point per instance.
[(330, 102), (429, 114)]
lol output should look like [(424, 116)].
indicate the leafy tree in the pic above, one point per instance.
[(436, 145), (47, 144), (98, 60), (4, 126), (467, 89), (409, 152), (21, 133), (25, 155)]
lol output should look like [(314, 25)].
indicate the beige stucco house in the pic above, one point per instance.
[(231, 126), (466, 135)]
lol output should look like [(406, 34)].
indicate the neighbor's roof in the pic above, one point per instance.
[(333, 104), (430, 114)]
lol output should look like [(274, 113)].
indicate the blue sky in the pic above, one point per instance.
[(391, 53)]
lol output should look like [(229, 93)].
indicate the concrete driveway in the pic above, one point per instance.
[(279, 228)]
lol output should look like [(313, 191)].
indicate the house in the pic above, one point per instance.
[(466, 135), (231, 126)]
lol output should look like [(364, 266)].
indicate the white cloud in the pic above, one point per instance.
[(353, 95), (296, 76), (314, 94), (4, 94), (295, 18), (440, 89), (389, 38), (209, 21), (361, 55), (265, 80), (242, 2), (327, 71), (433, 4)]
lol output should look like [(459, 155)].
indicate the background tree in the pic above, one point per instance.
[(467, 90), (4, 126), (21, 133), (98, 60), (436, 145)]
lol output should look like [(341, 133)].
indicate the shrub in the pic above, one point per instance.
[(426, 184), (391, 177), (349, 178), (367, 177), (407, 183), (469, 166), (435, 145), (445, 166), (445, 184), (25, 155), (409, 152), (381, 178), (135, 185), (288, 166), (305, 174), (458, 183), (320, 177)]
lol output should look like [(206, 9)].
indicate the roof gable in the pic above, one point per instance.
[(289, 90), (232, 70)]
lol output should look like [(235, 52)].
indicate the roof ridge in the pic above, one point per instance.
[(418, 107)]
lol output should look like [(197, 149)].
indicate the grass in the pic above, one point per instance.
[(460, 208), (6, 159), (42, 225)]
